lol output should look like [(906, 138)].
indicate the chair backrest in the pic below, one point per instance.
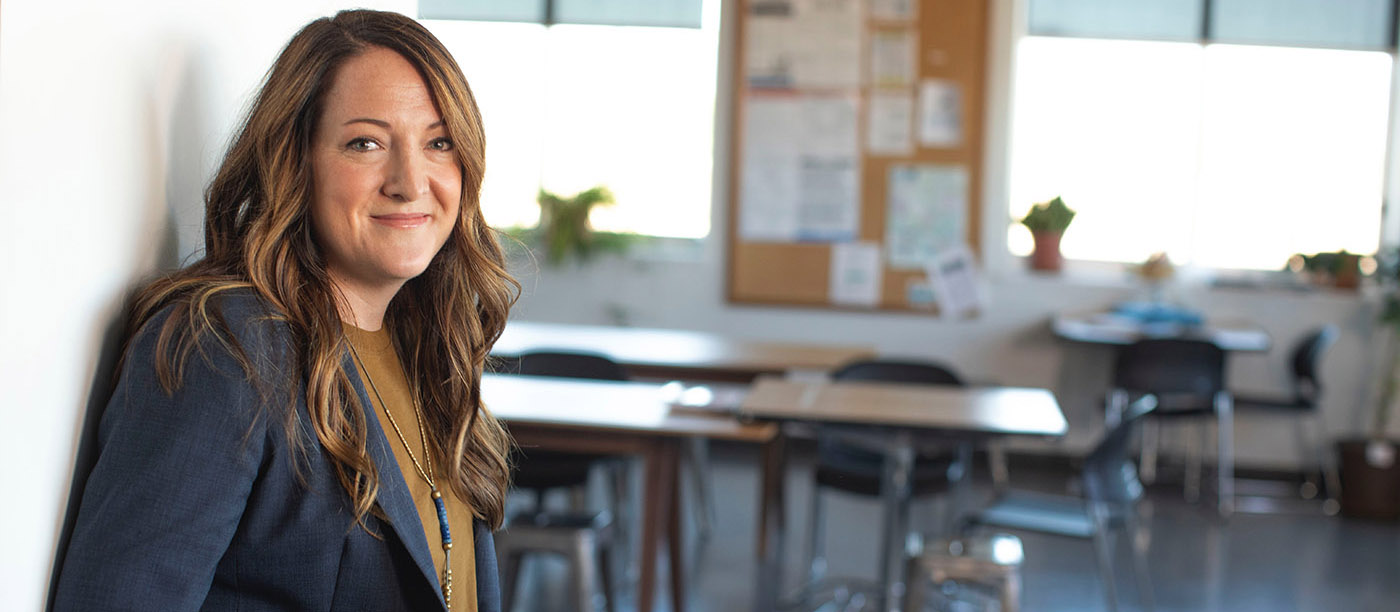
[(1109, 474), (1171, 367), (570, 365), (1306, 358), (910, 372)]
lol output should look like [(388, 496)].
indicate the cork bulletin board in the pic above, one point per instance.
[(856, 151)]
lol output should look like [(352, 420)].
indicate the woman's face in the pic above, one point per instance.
[(387, 183)]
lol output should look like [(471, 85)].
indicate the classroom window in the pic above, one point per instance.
[(568, 107), (1222, 156)]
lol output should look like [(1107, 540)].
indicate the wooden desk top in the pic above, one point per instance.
[(1107, 328), (604, 405), (678, 349), (986, 410)]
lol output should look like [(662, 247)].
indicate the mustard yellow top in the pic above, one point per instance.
[(376, 352)]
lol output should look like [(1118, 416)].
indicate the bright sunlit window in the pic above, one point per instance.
[(569, 107), (1222, 156)]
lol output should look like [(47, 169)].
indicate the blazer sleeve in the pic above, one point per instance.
[(170, 484)]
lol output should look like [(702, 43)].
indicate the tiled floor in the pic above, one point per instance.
[(1266, 563)]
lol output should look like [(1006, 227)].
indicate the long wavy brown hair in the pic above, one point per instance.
[(258, 236)]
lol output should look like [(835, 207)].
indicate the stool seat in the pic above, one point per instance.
[(583, 538)]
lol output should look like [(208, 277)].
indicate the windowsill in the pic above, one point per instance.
[(661, 249), (1111, 275)]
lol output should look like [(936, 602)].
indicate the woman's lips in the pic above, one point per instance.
[(401, 220)]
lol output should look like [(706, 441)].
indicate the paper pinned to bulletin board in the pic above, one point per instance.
[(800, 44), (926, 212), (856, 274), (952, 275), (940, 113), (801, 165)]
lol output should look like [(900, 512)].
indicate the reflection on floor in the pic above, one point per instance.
[(1268, 563)]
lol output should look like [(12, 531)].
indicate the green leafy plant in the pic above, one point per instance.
[(564, 230), (1053, 216)]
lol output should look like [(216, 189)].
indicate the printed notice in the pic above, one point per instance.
[(893, 10), (892, 58), (940, 113), (890, 125), (803, 44), (801, 170), (953, 274), (855, 274), (926, 213)]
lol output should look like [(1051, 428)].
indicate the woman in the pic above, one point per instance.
[(349, 289)]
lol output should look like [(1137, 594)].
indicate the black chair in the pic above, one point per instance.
[(854, 468), (1302, 404), (1107, 509), (1187, 379), (540, 471)]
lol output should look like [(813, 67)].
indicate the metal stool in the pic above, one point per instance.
[(992, 563), (583, 538)]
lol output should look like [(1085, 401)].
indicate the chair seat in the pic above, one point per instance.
[(859, 472), (1285, 403), (1039, 512), (551, 470)]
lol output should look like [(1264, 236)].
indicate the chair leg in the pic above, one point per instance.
[(584, 572), (915, 585), (1225, 463), (1327, 462), (1103, 555), (996, 461), (605, 575), (1191, 488), (623, 517), (1133, 527), (1306, 459), (1151, 438), (816, 545), (697, 458)]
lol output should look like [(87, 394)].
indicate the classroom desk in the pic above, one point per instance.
[(667, 354), (902, 415), (1107, 328), (634, 418)]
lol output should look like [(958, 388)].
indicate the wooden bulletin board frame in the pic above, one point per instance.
[(952, 38)]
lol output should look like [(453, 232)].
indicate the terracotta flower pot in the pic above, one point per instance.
[(1046, 256)]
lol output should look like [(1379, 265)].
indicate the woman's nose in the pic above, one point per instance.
[(407, 178)]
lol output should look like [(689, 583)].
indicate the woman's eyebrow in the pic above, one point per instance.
[(385, 124), (378, 122)]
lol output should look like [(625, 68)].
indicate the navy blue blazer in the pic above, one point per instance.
[(198, 501)]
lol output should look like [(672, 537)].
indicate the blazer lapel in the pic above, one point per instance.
[(488, 582), (393, 495)]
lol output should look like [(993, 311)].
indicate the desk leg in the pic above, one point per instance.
[(675, 542), (654, 504), (771, 529), (895, 491)]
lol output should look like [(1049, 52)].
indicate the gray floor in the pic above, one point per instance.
[(1301, 560)]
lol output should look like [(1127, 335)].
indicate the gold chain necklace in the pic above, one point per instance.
[(427, 474)]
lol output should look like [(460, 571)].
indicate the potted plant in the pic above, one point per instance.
[(1047, 222), (564, 230), (1340, 269), (1368, 465)]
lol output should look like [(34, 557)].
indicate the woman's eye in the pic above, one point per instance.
[(362, 144), (440, 144)]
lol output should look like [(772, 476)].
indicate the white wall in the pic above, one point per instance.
[(112, 115)]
